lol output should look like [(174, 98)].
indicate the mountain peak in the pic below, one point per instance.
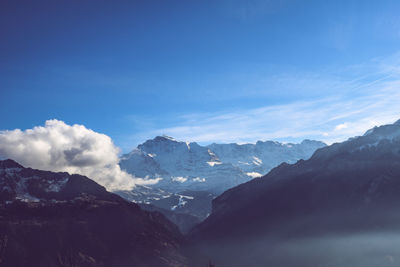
[(385, 131), (160, 140), (166, 137), (32, 185), (309, 141), (9, 163)]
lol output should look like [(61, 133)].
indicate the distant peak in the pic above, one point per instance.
[(9, 163), (168, 137), (304, 142), (165, 137), (309, 141), (388, 130), (370, 131), (268, 142), (160, 140)]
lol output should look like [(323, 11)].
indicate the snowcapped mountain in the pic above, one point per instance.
[(182, 166), (192, 175), (258, 159), (214, 168)]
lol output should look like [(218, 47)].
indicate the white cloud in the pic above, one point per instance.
[(74, 149), (341, 126), (254, 174), (179, 179)]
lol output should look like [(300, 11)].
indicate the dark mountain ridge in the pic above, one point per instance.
[(57, 219), (350, 187)]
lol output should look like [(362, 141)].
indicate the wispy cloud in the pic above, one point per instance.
[(354, 100)]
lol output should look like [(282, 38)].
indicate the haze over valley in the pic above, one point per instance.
[(224, 133)]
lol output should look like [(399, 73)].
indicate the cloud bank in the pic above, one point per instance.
[(64, 148)]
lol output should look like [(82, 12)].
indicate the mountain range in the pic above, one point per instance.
[(339, 208), (214, 168), (192, 175)]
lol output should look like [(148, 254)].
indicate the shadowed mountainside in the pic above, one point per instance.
[(344, 190), (57, 219)]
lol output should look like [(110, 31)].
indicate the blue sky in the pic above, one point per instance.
[(206, 71)]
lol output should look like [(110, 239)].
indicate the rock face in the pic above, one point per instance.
[(184, 221), (57, 219), (305, 214), (192, 175), (215, 168), (185, 209)]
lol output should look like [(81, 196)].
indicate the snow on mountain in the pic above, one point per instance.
[(214, 168), (258, 159), (18, 183), (144, 194), (141, 164), (182, 166), (192, 175), (185, 209)]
